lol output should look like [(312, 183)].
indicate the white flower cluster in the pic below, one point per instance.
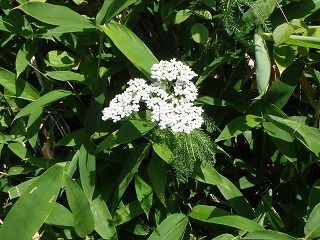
[(170, 98)]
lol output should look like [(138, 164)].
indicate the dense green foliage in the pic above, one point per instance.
[(252, 172)]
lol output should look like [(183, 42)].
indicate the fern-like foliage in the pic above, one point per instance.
[(241, 16), (189, 149)]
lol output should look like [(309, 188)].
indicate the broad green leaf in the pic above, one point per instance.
[(199, 33), (237, 201), (294, 10), (18, 190), (60, 60), (78, 2), (282, 139), (131, 46), (79, 204), (312, 227), (282, 33), (33, 126), (129, 169), (144, 194), (213, 101), (282, 89), (314, 195), (66, 76), (59, 15), (239, 125), (211, 214), (297, 40), (110, 8), (284, 56), (267, 234), (60, 216), (213, 65), (20, 150), (203, 13), (19, 87), (307, 135), (87, 169), (37, 201), (181, 16), (172, 228), (262, 65), (95, 107), (127, 212), (77, 137), (206, 173), (224, 237), (163, 151), (271, 214), (24, 55), (18, 169), (104, 224), (43, 101), (158, 177), (130, 131), (315, 74)]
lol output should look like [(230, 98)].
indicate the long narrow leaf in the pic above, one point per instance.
[(131, 46), (59, 15), (19, 86), (129, 169), (43, 101), (30, 211), (79, 204), (172, 228), (211, 214)]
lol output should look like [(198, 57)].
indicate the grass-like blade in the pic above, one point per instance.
[(37, 201)]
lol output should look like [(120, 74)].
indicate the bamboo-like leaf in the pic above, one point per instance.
[(144, 194), (158, 177), (131, 46), (79, 204), (172, 228), (104, 226), (267, 234), (59, 15), (211, 214), (263, 65), (236, 199), (282, 139), (129, 169), (284, 56), (130, 131), (312, 227), (239, 125), (37, 201), (33, 126), (87, 169), (43, 101), (19, 87), (307, 135), (127, 212), (282, 89), (24, 56), (110, 8), (60, 216), (66, 76)]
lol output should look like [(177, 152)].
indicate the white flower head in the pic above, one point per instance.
[(172, 70), (171, 104)]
